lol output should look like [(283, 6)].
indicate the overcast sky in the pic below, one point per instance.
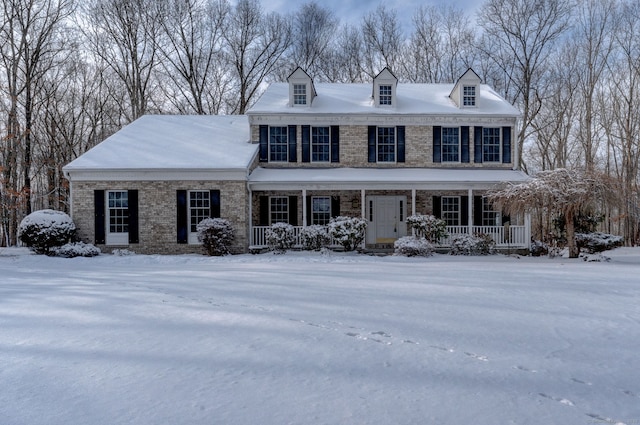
[(352, 11)]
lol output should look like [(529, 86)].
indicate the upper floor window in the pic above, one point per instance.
[(278, 146), (299, 94), (386, 146), (320, 144), (469, 95), (491, 144), (385, 94), (450, 144), (320, 210), (450, 209)]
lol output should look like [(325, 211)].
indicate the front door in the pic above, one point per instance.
[(386, 219)]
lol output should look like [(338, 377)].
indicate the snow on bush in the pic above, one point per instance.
[(428, 226), (411, 246), (75, 249), (348, 231), (122, 252), (538, 248), (280, 237), (314, 237), (216, 235), (45, 229), (598, 242), (478, 244)]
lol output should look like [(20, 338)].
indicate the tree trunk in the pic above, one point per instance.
[(574, 251)]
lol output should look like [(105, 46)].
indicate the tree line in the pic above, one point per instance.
[(72, 73)]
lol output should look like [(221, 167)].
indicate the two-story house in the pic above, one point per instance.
[(304, 153)]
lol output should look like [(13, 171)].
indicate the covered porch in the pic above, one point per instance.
[(384, 198)]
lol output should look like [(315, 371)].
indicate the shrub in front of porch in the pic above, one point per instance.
[(412, 246), (216, 235), (314, 237), (428, 226), (348, 231), (479, 244), (280, 237)]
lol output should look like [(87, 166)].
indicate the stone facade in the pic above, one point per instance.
[(157, 207)]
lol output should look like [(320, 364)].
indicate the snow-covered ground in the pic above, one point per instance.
[(319, 339)]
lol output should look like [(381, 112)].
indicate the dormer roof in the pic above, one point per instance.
[(297, 79), (471, 80), (384, 88)]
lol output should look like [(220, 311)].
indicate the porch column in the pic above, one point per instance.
[(413, 208), (470, 211), (304, 207), (363, 207), (250, 218), (527, 230)]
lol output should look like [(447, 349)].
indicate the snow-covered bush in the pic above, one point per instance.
[(122, 252), (348, 231), (45, 229), (314, 237), (428, 226), (216, 235), (280, 237), (598, 242), (411, 246), (479, 244), (75, 249), (538, 248)]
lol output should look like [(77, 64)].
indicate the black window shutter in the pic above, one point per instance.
[(437, 143), (215, 203), (309, 212), (400, 135), (335, 206), (264, 143), (134, 228), (306, 143), (98, 202), (182, 227), (335, 143), (264, 211), (464, 214), (292, 144), (477, 210), (437, 206), (477, 144), (293, 210), (506, 145), (372, 143), (464, 141)]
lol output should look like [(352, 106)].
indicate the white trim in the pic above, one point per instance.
[(114, 238), (324, 119), (304, 208)]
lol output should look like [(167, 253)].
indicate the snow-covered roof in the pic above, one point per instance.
[(412, 99), (172, 142), (385, 178)]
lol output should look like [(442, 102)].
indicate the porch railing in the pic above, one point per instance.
[(504, 236)]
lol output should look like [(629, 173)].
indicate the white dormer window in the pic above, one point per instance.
[(386, 94), (469, 95), (299, 94)]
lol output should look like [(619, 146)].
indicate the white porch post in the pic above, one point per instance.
[(250, 220), (363, 208), (413, 208), (527, 230), (470, 211), (304, 207)]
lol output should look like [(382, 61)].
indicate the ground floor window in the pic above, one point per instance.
[(199, 208), (118, 211), (320, 210), (450, 209), (279, 209), (490, 217)]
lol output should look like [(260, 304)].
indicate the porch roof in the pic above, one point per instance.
[(381, 178)]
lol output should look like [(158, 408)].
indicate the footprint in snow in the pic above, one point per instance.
[(524, 369), (604, 419), (477, 357), (559, 400), (448, 350), (578, 381)]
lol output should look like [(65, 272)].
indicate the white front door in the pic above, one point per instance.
[(387, 216)]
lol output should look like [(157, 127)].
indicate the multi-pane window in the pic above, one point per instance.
[(385, 93), (320, 210), (278, 144), (386, 144), (199, 208), (491, 144), (320, 146), (451, 210), (489, 216), (279, 209), (299, 94), (118, 206), (469, 95), (450, 144)]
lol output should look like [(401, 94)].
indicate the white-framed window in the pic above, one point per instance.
[(491, 144), (199, 208), (278, 209), (450, 144), (278, 144), (320, 144), (385, 93), (299, 94), (118, 217), (320, 209), (469, 95), (490, 217), (386, 144), (450, 210)]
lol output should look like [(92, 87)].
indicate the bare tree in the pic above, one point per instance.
[(346, 57), (382, 40)]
